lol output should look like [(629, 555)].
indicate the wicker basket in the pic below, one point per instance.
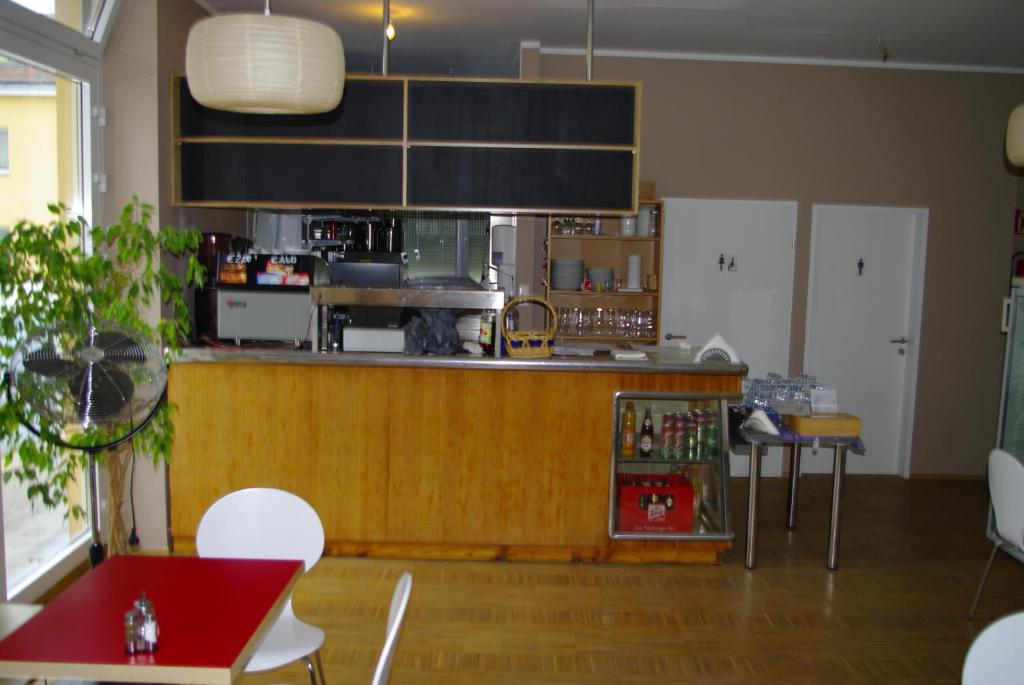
[(530, 344)]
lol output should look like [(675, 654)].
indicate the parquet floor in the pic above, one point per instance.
[(911, 556)]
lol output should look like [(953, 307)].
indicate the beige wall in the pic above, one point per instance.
[(31, 185), (860, 136), (147, 44), (131, 156)]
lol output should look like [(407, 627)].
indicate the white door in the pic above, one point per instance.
[(864, 293), (728, 269)]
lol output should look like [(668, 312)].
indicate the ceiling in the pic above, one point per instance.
[(483, 37)]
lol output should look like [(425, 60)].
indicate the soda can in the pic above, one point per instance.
[(692, 452), (679, 437), (668, 429), (701, 437), (711, 433)]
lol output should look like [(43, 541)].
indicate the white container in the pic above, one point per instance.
[(634, 270), (627, 226), (643, 223)]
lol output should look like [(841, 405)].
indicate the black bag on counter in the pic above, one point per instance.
[(432, 331)]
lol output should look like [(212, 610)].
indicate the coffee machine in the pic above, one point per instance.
[(210, 250)]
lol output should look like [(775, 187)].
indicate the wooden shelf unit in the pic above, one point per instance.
[(609, 249)]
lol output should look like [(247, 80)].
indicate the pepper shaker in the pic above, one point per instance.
[(131, 631)]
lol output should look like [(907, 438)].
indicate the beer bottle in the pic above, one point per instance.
[(628, 437), (647, 436)]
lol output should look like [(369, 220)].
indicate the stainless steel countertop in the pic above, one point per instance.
[(667, 361)]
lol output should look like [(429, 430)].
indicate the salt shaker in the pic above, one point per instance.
[(146, 630), (131, 632), (150, 631)]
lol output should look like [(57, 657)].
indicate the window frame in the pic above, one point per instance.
[(48, 45)]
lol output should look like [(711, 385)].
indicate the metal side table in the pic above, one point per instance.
[(793, 442)]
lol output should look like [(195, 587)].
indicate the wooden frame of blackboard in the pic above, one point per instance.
[(219, 132)]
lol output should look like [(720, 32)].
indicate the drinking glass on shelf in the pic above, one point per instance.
[(608, 322), (636, 323), (564, 318), (581, 320), (649, 326)]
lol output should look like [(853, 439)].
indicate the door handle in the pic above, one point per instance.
[(673, 336), (900, 341)]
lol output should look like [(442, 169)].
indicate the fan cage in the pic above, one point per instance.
[(105, 376)]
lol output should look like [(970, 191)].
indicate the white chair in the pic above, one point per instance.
[(264, 523), (399, 601), (995, 656), (1006, 487)]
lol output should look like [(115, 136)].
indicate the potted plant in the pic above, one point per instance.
[(49, 279)]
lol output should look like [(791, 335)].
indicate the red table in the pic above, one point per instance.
[(212, 614)]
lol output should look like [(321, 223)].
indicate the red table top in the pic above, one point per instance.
[(211, 615)]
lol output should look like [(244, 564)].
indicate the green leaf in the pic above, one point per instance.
[(46, 280)]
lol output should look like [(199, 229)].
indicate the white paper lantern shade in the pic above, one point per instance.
[(265, 64), (1015, 137)]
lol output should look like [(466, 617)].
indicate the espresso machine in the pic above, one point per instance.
[(212, 247), (361, 252)]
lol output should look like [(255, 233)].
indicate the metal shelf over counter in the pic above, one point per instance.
[(340, 295)]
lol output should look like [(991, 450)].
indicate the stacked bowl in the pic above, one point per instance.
[(566, 274), (603, 275)]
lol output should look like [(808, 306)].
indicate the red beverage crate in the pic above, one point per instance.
[(648, 508)]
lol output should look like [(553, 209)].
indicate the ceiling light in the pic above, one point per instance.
[(265, 64), (390, 31), (1015, 137)]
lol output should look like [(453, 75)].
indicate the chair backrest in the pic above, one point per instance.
[(1006, 486), (261, 523), (995, 656), (399, 601)]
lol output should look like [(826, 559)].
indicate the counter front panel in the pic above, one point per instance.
[(419, 461)]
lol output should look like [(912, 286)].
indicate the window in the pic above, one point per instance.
[(50, 59), (445, 244), (5, 163), (45, 109), (86, 16)]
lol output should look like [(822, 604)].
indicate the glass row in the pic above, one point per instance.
[(601, 321)]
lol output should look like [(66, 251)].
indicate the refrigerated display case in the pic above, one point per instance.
[(1010, 433), (680, 491), (1011, 407)]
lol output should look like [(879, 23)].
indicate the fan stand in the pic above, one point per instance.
[(96, 553)]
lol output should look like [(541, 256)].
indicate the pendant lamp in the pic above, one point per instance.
[(1015, 137), (265, 64)]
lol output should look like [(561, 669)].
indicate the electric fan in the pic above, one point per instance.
[(104, 376)]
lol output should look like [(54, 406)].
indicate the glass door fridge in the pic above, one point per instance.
[(1010, 436), (1011, 408)]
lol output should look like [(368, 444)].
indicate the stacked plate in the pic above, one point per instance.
[(566, 274)]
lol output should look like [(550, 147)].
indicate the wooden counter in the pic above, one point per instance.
[(491, 460)]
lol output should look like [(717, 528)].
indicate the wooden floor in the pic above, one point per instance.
[(911, 556)]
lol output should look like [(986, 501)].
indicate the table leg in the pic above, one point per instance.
[(756, 451), (794, 484), (838, 474)]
